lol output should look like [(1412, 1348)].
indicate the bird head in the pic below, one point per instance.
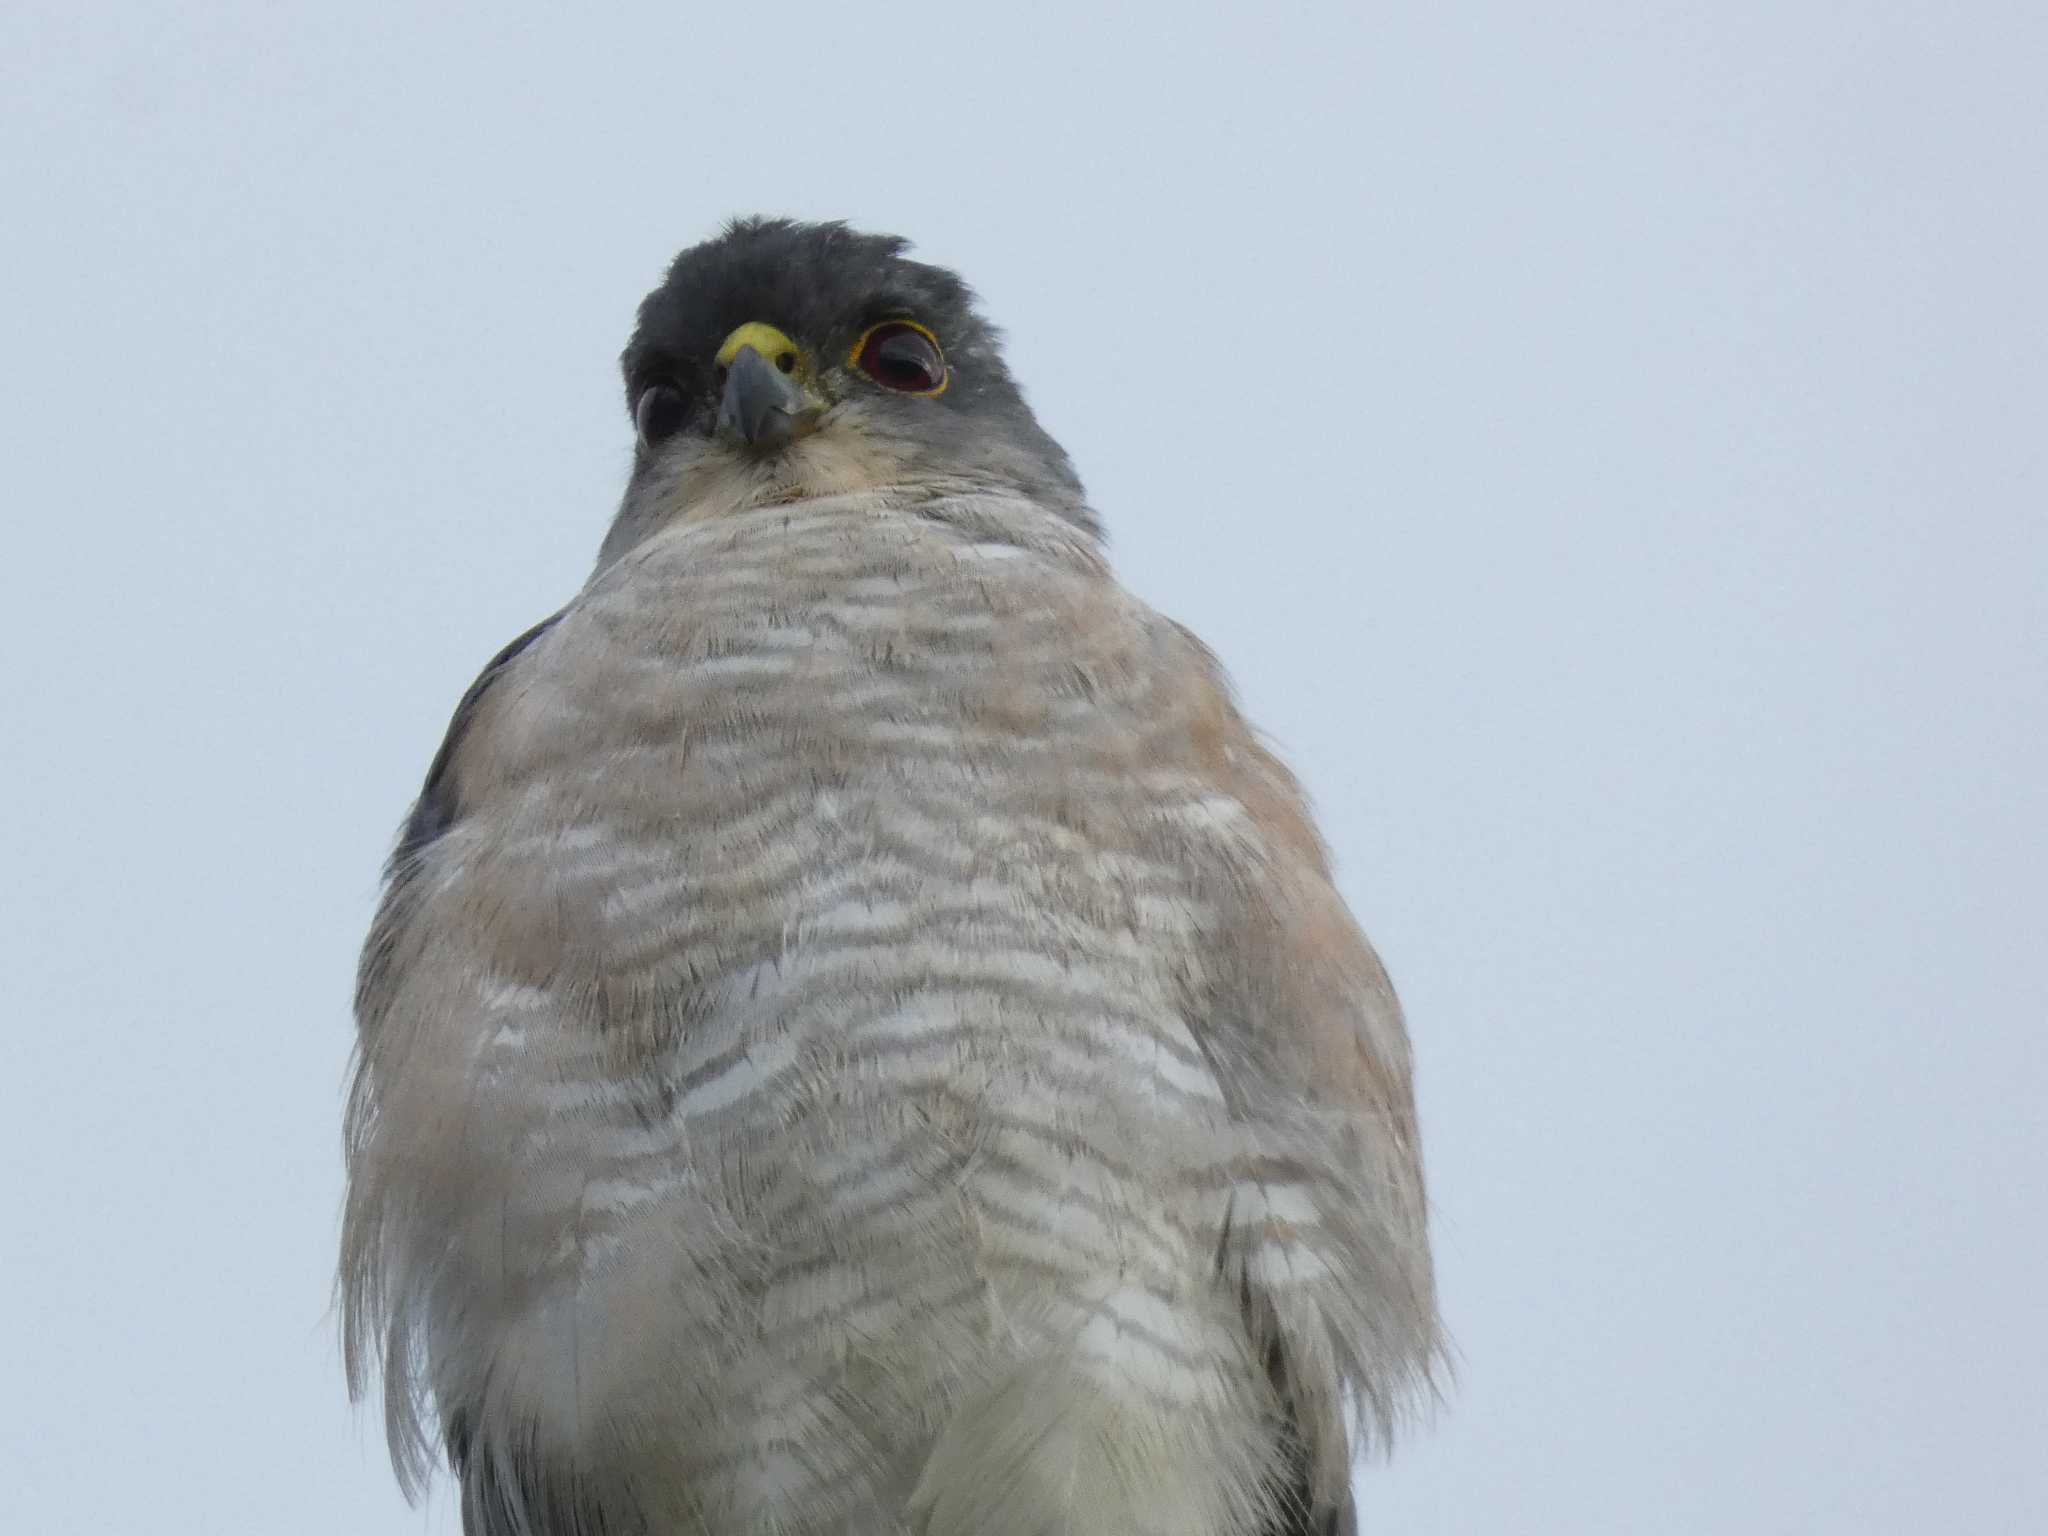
[(781, 361)]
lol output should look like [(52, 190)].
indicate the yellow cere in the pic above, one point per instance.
[(767, 341)]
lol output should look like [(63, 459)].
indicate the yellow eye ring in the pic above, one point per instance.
[(902, 356)]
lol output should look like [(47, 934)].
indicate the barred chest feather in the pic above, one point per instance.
[(801, 1041)]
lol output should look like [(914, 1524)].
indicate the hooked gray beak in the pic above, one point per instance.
[(762, 406)]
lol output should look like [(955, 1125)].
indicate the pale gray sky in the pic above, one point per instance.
[(1606, 442)]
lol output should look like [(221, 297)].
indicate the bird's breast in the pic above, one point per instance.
[(833, 926)]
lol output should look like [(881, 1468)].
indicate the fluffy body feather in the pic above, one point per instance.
[(860, 1037)]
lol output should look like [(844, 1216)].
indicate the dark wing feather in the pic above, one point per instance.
[(432, 814), (1299, 1513), (436, 809), (514, 1492)]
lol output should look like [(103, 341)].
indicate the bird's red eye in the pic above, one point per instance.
[(901, 355)]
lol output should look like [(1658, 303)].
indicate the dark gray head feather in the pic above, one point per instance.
[(823, 285)]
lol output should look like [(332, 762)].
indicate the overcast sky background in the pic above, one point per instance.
[(1606, 443)]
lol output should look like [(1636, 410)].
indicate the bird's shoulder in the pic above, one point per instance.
[(438, 804)]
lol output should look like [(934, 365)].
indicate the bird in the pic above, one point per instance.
[(859, 1034)]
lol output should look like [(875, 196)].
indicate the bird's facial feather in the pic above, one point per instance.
[(781, 361)]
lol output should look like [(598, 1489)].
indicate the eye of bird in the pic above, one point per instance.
[(658, 414), (901, 355)]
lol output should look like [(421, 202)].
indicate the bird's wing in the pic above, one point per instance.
[(437, 809), (438, 805), (1328, 1242), (370, 1348)]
